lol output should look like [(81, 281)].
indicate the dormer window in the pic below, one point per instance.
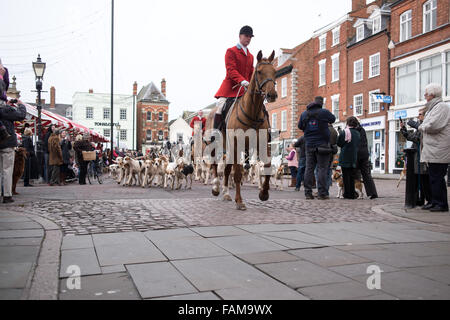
[(376, 25), (360, 32)]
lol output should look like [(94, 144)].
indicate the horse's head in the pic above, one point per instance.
[(265, 77)]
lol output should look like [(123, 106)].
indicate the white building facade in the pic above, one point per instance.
[(180, 131), (93, 110), (412, 74)]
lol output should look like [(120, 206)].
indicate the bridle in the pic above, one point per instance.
[(261, 85)]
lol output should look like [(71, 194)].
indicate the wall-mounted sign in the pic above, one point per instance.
[(105, 124), (400, 114), (382, 98)]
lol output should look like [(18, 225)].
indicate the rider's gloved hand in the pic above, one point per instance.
[(245, 83)]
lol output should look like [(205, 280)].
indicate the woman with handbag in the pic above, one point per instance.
[(349, 140), (82, 144)]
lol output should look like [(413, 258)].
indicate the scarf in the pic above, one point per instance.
[(430, 104), (348, 134)]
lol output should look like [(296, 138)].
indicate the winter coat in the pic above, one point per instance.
[(8, 115), (363, 150), (27, 143), (46, 137), (79, 147), (292, 159), (416, 137), (55, 157), (349, 151), (66, 146), (436, 132), (300, 145), (194, 120), (314, 123), (239, 68)]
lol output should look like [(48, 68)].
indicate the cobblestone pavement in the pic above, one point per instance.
[(187, 208)]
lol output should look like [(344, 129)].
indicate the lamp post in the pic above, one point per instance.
[(39, 70)]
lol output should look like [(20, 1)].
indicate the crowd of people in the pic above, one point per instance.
[(311, 157)]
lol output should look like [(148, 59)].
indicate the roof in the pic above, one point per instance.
[(151, 93), (172, 121), (60, 108)]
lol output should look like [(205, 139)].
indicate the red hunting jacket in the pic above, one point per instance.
[(203, 121), (239, 68)]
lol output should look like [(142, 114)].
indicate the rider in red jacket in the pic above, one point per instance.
[(239, 65), (201, 119)]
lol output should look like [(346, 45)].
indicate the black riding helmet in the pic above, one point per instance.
[(247, 30)]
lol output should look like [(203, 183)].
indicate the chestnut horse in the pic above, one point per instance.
[(248, 113)]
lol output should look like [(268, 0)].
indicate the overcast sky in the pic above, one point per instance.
[(181, 41)]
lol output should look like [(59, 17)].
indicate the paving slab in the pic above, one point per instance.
[(158, 280), (19, 225), (267, 257), (189, 247), (85, 259), (21, 233), (14, 275), (353, 270), (110, 239), (14, 219), (402, 235), (290, 244), (302, 237), (418, 249), (170, 234), (220, 231), (128, 254), (438, 273), (193, 296), (269, 292), (406, 285), (257, 228), (77, 242), (328, 257), (246, 244), (298, 274), (343, 236), (114, 269), (379, 297), (338, 291), (10, 294), (217, 273), (357, 247), (399, 259), (115, 286), (20, 242), (17, 254)]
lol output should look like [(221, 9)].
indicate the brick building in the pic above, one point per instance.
[(153, 116), (420, 54)]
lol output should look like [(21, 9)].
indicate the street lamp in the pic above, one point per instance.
[(39, 70)]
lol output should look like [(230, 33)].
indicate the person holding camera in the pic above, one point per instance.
[(349, 140), (314, 123), (8, 114)]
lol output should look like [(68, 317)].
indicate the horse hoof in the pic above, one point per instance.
[(241, 206), (215, 193), (227, 197), (264, 196)]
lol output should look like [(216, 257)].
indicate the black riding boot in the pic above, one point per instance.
[(218, 121)]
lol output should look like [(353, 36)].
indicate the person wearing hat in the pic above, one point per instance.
[(239, 66), (82, 144)]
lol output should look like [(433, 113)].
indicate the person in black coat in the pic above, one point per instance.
[(66, 146), (363, 164), (27, 143), (46, 155)]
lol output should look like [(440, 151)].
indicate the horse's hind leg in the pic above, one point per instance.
[(264, 193), (237, 179), (226, 191), (216, 181)]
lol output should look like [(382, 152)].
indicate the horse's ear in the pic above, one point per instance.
[(272, 56), (259, 56)]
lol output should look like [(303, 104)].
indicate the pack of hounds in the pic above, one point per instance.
[(158, 171)]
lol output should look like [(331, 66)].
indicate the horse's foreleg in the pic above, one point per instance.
[(237, 180), (264, 193), (226, 191), (216, 181)]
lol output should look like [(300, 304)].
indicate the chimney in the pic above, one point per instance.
[(52, 98), (163, 87), (91, 90), (358, 4), (135, 88)]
